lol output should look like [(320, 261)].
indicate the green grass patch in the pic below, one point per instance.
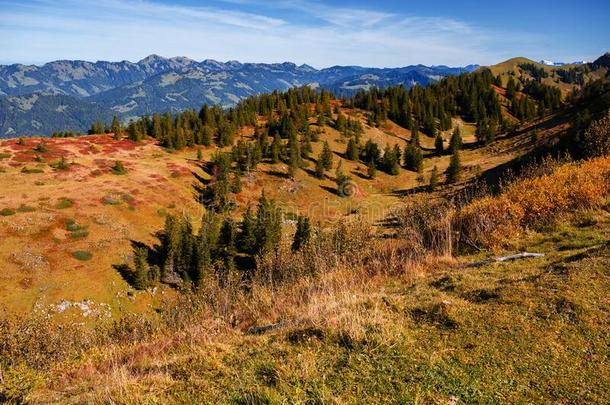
[(72, 224), (26, 208), (5, 155), (5, 212), (82, 255), (119, 168), (61, 164), (162, 212), (32, 170), (79, 234), (77, 229), (64, 203)]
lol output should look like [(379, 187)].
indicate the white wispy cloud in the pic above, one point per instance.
[(43, 30)]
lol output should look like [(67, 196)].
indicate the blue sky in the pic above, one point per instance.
[(320, 33)]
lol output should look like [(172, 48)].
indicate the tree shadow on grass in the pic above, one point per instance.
[(155, 258), (331, 190)]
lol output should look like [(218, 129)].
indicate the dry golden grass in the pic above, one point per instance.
[(522, 332), (493, 222)]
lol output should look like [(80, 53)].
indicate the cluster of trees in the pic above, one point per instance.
[(430, 108), (532, 100), (187, 258), (537, 72), (575, 75), (64, 134), (348, 127), (595, 97), (213, 125)]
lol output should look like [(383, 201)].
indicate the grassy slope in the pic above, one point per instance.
[(37, 247), (528, 331)]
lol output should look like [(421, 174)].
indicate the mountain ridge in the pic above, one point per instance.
[(101, 89)]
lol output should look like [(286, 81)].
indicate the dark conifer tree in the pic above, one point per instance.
[(454, 171), (115, 128), (371, 169), (302, 234), (352, 152), (247, 237), (268, 225), (438, 144), (455, 142), (433, 179), (326, 157)]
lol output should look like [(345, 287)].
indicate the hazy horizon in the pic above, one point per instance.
[(318, 33)]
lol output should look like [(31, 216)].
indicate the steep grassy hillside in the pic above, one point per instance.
[(439, 331)]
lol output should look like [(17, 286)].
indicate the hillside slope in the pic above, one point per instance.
[(529, 331)]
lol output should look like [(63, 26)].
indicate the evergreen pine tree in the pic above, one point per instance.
[(456, 140), (390, 160), (115, 128), (340, 180), (371, 169), (133, 132), (319, 171), (326, 157), (276, 148), (302, 234), (227, 238), (140, 280), (413, 158), (352, 151), (415, 134), (438, 144), (268, 225), (247, 237), (454, 171), (433, 179)]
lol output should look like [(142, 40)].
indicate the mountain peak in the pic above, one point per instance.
[(307, 68), (153, 58)]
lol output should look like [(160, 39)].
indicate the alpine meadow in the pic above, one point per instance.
[(407, 211)]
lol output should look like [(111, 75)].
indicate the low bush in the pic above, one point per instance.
[(5, 212), (82, 255), (64, 203), (28, 170), (425, 226), (5, 155), (26, 208), (79, 234), (41, 148), (119, 168), (61, 164)]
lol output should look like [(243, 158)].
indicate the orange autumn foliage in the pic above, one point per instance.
[(493, 221)]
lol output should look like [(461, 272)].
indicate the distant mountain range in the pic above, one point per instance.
[(552, 63), (69, 95)]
